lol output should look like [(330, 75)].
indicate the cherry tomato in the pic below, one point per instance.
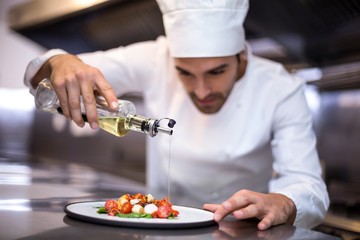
[(113, 212), (164, 211), (154, 214), (163, 202), (123, 205), (110, 205), (175, 213), (126, 208)]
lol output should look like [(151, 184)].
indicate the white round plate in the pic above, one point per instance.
[(188, 217)]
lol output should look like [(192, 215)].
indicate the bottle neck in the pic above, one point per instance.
[(149, 126), (141, 124)]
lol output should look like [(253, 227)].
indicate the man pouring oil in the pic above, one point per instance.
[(244, 143)]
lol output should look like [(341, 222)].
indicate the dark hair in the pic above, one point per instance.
[(238, 57)]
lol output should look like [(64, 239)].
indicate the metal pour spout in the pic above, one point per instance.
[(165, 130)]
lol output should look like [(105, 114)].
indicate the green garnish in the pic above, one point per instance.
[(134, 215), (101, 210)]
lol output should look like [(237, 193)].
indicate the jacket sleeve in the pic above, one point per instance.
[(298, 173), (126, 68), (34, 66)]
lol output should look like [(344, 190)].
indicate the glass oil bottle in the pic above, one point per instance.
[(117, 122)]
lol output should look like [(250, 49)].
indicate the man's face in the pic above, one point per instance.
[(208, 81)]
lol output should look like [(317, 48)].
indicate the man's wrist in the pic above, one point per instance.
[(289, 208), (35, 65)]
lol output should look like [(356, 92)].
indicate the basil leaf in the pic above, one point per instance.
[(134, 215), (101, 210)]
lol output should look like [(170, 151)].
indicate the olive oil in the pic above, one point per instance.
[(114, 125), (169, 168)]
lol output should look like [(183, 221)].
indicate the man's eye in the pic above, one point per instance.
[(183, 73), (217, 72)]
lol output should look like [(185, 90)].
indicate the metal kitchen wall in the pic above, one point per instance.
[(322, 33), (316, 33)]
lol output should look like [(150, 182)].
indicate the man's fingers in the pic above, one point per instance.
[(224, 209), (265, 223), (271, 209), (218, 209), (107, 92), (72, 80), (235, 202), (243, 198), (73, 91), (210, 207), (89, 103), (62, 95), (249, 211)]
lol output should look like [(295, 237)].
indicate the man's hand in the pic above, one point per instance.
[(71, 78), (272, 209)]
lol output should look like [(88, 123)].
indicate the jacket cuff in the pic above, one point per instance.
[(34, 66)]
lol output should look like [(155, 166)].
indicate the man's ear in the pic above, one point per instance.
[(242, 57)]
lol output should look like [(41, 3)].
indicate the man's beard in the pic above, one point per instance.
[(219, 100)]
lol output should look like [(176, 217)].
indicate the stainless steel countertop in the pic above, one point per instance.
[(33, 193)]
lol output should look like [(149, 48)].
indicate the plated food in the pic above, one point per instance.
[(139, 206), (188, 217)]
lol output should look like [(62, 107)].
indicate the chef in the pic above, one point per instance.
[(243, 143)]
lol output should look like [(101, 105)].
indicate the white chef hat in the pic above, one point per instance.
[(204, 28)]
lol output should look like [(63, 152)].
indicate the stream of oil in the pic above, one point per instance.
[(169, 169)]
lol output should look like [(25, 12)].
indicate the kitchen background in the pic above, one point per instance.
[(319, 40)]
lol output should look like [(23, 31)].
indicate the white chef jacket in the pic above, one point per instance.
[(261, 139)]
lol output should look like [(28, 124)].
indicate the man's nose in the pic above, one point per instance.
[(202, 89)]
